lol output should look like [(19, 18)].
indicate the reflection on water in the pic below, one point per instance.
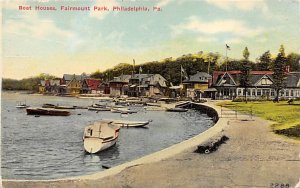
[(48, 147)]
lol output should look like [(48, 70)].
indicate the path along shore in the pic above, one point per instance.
[(252, 157)]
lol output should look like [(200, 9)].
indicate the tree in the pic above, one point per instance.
[(293, 61), (246, 53), (264, 61), (278, 69), (245, 72), (245, 77)]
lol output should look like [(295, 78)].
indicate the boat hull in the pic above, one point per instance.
[(177, 110), (95, 145), (47, 112), (100, 136)]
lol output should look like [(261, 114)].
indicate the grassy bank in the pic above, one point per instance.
[(287, 117)]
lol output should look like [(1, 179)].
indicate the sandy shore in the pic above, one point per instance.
[(252, 157)]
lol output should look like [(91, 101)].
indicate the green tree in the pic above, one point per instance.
[(264, 61), (245, 74), (293, 61), (246, 53), (278, 69)]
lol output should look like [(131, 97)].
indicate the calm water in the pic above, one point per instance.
[(48, 147)]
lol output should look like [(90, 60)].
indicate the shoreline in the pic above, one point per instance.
[(169, 157)]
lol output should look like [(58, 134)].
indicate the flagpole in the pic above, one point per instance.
[(181, 75), (139, 81), (226, 58)]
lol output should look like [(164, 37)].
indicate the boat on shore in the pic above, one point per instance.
[(47, 111), (176, 110), (126, 123), (100, 136)]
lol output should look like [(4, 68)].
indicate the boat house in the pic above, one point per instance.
[(196, 85), (228, 85)]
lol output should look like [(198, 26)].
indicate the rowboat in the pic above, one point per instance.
[(125, 123), (48, 105), (65, 107), (122, 110), (98, 109), (100, 136), (176, 110), (47, 111), (22, 105)]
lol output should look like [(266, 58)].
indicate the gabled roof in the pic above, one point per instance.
[(255, 78), (158, 79), (198, 77), (293, 79), (140, 76), (124, 78), (92, 83), (69, 77), (223, 82)]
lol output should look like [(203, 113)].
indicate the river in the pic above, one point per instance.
[(50, 147)]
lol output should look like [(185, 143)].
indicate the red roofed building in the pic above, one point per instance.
[(90, 85)]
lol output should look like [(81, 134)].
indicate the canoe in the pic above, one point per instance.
[(47, 111), (100, 136), (125, 123), (176, 110)]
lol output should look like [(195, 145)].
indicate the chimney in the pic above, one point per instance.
[(287, 69)]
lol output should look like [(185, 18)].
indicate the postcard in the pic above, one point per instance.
[(150, 93)]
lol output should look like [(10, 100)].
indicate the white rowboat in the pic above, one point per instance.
[(100, 136)]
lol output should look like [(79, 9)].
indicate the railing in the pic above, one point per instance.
[(235, 113)]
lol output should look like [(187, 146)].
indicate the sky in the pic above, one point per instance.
[(58, 42)]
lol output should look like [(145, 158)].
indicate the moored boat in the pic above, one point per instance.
[(122, 110), (64, 107), (47, 105), (47, 111), (125, 123), (21, 105), (99, 109), (100, 136)]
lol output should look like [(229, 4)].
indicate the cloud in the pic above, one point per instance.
[(102, 14), (31, 24), (239, 4), (234, 27)]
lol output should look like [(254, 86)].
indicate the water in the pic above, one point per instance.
[(48, 147)]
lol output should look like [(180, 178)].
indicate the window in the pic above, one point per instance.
[(272, 93), (287, 93), (239, 92), (253, 92), (259, 92), (292, 93)]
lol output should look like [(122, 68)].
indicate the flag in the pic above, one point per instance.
[(227, 47), (181, 68), (141, 70)]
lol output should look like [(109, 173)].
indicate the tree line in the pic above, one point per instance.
[(170, 68), (31, 83)]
